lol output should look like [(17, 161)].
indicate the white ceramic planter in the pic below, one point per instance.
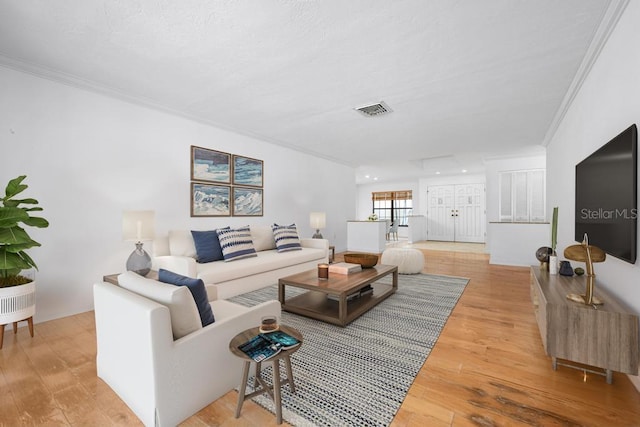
[(17, 303)]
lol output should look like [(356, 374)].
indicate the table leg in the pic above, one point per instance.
[(276, 391), (243, 387), (15, 327), (257, 376), (280, 292), (395, 280), (1, 335), (609, 375), (30, 322), (287, 361), (342, 310)]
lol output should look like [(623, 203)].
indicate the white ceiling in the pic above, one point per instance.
[(466, 79)]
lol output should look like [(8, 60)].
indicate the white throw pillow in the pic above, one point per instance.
[(185, 317), (262, 236), (181, 243)]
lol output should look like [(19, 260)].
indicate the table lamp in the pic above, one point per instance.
[(318, 220), (587, 254), (138, 226)]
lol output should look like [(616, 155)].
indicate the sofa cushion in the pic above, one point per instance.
[(196, 286), (207, 246), (236, 243), (220, 272), (262, 236), (286, 237), (181, 243), (182, 307)]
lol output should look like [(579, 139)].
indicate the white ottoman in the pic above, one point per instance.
[(409, 261)]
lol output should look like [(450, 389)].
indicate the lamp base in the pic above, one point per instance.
[(317, 235), (582, 299), (139, 261)]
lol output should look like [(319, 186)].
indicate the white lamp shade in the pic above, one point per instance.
[(318, 220), (138, 225)]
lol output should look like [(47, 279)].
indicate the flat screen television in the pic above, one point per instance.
[(607, 196)]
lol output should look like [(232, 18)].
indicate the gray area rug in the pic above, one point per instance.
[(359, 375)]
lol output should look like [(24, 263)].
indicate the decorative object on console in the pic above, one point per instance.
[(587, 254), (247, 171), (210, 200), (210, 165), (247, 201), (138, 226), (365, 260), (553, 258), (542, 255), (565, 268), (318, 220), (373, 217), (286, 238)]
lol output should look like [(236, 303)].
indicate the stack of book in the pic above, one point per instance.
[(367, 290), (344, 268), (264, 346)]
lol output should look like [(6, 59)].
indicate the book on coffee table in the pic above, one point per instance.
[(264, 346), (344, 268)]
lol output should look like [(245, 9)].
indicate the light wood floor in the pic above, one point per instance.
[(487, 369)]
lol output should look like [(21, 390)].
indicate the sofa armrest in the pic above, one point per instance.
[(128, 327), (200, 367), (183, 265), (314, 243)]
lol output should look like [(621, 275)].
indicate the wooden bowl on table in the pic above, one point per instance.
[(365, 260)]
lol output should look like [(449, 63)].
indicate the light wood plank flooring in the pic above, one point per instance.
[(487, 369)]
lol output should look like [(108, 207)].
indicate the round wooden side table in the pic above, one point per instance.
[(274, 389)]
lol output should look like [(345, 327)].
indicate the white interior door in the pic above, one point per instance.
[(440, 213), (470, 213), (456, 213)]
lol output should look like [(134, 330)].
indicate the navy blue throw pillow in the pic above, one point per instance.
[(198, 291), (207, 246)]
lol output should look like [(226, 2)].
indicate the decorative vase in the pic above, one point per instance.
[(565, 268), (553, 264)]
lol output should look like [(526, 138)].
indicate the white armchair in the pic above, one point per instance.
[(165, 381)]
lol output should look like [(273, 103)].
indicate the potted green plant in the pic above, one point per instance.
[(17, 290)]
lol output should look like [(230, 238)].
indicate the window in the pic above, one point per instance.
[(393, 205), (522, 196)]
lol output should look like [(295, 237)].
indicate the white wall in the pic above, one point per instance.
[(88, 157), (608, 103), (512, 244)]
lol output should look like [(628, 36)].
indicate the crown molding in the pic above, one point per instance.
[(600, 37)]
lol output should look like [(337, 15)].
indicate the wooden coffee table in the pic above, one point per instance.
[(326, 299)]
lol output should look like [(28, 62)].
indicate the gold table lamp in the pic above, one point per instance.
[(587, 254)]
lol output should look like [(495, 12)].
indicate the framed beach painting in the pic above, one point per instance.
[(247, 171), (210, 200), (210, 165), (247, 201)]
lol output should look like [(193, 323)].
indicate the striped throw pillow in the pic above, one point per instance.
[(286, 237), (236, 243)]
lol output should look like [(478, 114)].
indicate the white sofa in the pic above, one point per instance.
[(177, 252), (165, 381)]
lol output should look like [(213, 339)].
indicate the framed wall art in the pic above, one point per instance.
[(247, 171), (210, 165), (210, 200), (247, 201)]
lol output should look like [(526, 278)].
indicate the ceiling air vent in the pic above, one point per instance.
[(374, 110)]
